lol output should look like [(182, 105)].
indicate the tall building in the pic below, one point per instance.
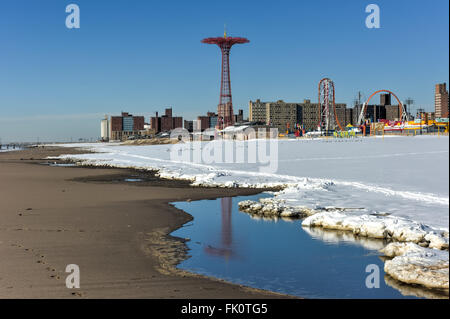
[(203, 122), (189, 125), (239, 118), (376, 112), (257, 111), (441, 108), (127, 123), (393, 113), (341, 113), (167, 122), (155, 123), (379, 112), (385, 99), (124, 126), (213, 120), (284, 116), (310, 115)]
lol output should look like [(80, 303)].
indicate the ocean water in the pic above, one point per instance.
[(281, 256)]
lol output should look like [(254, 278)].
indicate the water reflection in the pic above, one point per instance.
[(335, 237), (414, 290), (226, 231), (338, 236), (278, 255)]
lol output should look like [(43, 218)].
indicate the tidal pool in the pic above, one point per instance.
[(281, 256)]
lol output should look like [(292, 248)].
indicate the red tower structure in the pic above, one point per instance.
[(225, 108)]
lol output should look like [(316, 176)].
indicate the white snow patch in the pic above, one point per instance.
[(413, 264), (383, 188), (382, 227)]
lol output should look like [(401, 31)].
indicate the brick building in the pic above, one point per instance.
[(441, 107), (283, 115), (189, 125), (165, 123), (377, 112), (210, 120), (155, 123), (385, 99), (126, 125), (203, 123), (239, 118), (393, 113)]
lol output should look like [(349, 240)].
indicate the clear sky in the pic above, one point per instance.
[(142, 56)]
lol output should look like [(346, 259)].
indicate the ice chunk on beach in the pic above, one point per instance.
[(413, 264), (382, 227), (275, 208)]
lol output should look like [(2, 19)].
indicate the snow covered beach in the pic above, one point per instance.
[(396, 187)]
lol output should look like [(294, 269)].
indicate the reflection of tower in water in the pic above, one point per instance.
[(226, 231), (226, 221)]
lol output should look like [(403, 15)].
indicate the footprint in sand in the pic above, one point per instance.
[(78, 294)]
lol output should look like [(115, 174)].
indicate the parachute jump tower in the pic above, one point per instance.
[(225, 107)]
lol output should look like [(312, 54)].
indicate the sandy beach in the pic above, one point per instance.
[(116, 232)]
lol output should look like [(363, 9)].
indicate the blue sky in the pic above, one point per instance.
[(142, 56)]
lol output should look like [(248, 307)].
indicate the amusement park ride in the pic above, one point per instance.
[(328, 119), (225, 107), (402, 109), (327, 116)]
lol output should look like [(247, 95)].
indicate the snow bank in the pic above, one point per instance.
[(378, 175), (279, 208), (413, 264), (382, 227), (273, 208), (374, 188)]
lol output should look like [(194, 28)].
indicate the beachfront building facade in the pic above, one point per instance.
[(124, 126), (289, 116), (284, 116)]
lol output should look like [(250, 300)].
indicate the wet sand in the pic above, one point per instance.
[(115, 231)]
